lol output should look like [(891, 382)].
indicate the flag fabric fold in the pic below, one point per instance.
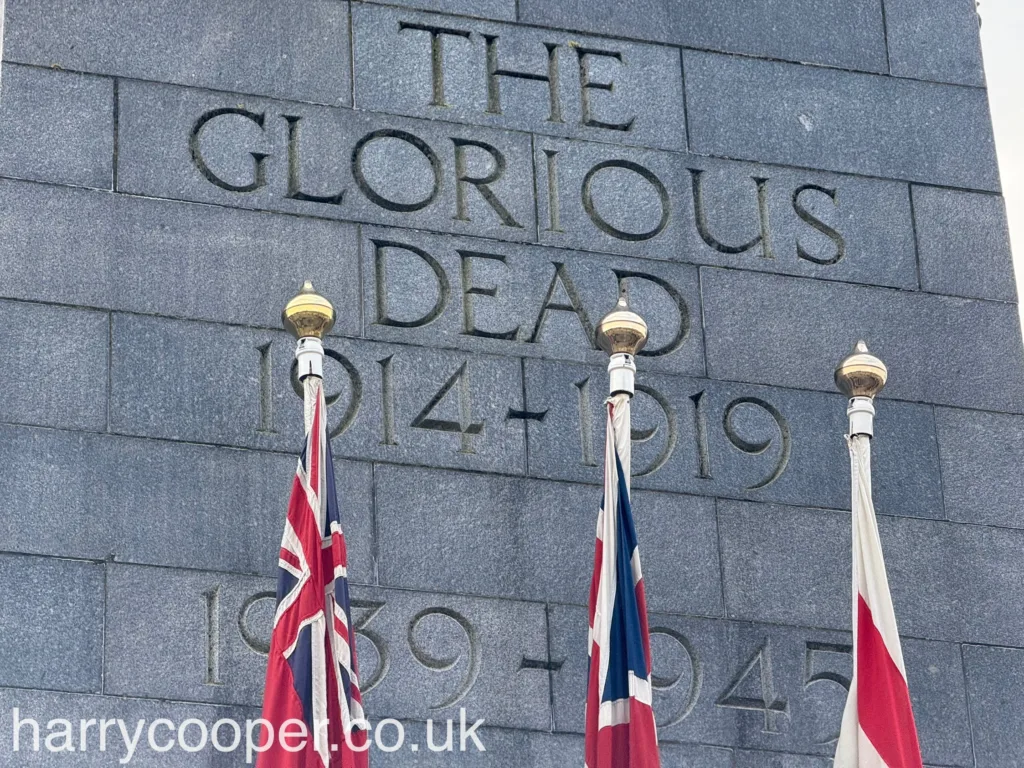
[(620, 728), (878, 723), (311, 672)]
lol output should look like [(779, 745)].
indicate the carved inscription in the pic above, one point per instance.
[(694, 675), (599, 197), (529, 79), (389, 403), (343, 165), (448, 662), (516, 300), (756, 675), (667, 422), (724, 213), (421, 641)]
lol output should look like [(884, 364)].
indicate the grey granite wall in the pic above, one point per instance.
[(471, 182)]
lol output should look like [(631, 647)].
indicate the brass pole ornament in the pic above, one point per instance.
[(621, 333), (308, 314), (861, 376), (309, 317)]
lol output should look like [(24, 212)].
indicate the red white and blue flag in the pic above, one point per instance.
[(878, 723), (620, 730), (312, 672)]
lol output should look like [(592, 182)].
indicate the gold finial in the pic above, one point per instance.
[(622, 330), (308, 314), (861, 374)]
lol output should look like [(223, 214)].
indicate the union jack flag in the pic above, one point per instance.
[(312, 672), (619, 719)]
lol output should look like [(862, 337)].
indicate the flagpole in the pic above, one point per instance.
[(878, 721), (309, 317)]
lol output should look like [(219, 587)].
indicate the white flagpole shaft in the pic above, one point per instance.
[(621, 374), (862, 416), (621, 387), (309, 353)]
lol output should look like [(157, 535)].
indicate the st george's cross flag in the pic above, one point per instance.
[(620, 730), (311, 672), (878, 723)]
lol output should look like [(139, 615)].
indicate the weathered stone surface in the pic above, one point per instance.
[(214, 630), (839, 121), (504, 10), (56, 126), (53, 623), (775, 330), (994, 678), (934, 40), (520, 300), (605, 90), (982, 455), (182, 260), (705, 211), (789, 698), (849, 35), (536, 540), (161, 503), (949, 581), (299, 52), (386, 402), (963, 244), (505, 749), (245, 152), (729, 440), (748, 759), (53, 366), (169, 174)]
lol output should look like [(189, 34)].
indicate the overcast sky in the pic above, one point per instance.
[(1002, 41)]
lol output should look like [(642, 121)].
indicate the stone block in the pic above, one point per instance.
[(839, 121), (750, 759), (161, 503), (247, 152), (729, 440), (299, 52), (386, 402), (506, 748), (982, 455), (598, 197), (53, 366), (534, 540), (520, 300), (850, 35), (175, 259), (934, 40), (949, 581), (420, 655), (53, 623), (963, 244), (467, 71), (942, 350), (502, 10), (995, 679), (760, 686), (56, 126)]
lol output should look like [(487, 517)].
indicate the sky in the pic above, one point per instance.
[(1002, 43)]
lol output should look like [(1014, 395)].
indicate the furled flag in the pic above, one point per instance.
[(878, 723), (312, 672), (619, 720)]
